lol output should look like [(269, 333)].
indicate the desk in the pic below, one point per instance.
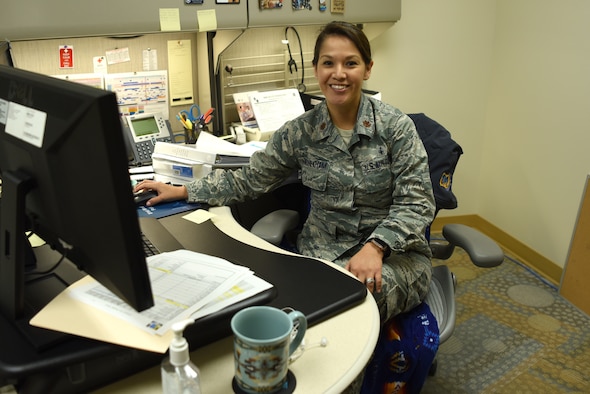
[(351, 335)]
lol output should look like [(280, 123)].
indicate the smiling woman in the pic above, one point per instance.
[(342, 62), (365, 167)]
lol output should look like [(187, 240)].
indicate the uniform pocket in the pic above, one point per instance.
[(314, 173), (376, 183)]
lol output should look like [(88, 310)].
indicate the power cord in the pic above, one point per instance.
[(303, 347)]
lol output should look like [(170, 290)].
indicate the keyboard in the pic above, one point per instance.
[(148, 247)]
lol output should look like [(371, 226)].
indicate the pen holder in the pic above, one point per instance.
[(192, 135)]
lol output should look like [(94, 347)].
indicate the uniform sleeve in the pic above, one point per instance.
[(267, 169), (412, 209)]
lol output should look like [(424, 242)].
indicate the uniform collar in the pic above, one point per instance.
[(365, 124)]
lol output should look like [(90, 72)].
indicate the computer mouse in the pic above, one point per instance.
[(140, 198)]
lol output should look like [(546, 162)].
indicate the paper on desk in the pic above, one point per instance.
[(95, 324), (109, 323), (209, 143), (199, 216), (182, 283)]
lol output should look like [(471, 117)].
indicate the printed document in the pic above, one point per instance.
[(273, 108), (185, 284)]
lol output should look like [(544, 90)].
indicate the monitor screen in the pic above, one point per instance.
[(63, 165)]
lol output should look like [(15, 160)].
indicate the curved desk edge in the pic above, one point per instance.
[(352, 336), (366, 314)]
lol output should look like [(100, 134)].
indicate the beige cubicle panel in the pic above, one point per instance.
[(357, 11), (40, 19), (574, 282)]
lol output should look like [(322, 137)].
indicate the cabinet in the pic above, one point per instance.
[(40, 19), (574, 282), (36, 19), (355, 11)]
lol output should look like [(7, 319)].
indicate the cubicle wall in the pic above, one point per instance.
[(38, 27), (42, 56), (37, 19), (354, 11)]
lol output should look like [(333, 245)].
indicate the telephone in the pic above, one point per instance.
[(142, 132)]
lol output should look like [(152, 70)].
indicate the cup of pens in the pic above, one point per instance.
[(193, 125), (191, 135)]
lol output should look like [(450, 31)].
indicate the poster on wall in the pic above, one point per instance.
[(66, 56), (337, 7), (140, 92), (270, 4)]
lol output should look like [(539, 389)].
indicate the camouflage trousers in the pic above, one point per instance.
[(405, 282)]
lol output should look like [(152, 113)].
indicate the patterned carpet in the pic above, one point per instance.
[(514, 334)]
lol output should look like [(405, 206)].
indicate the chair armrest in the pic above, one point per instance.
[(482, 250), (273, 226)]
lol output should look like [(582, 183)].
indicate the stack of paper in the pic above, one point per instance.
[(185, 284), (185, 163)]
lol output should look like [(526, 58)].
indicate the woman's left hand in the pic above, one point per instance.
[(366, 266)]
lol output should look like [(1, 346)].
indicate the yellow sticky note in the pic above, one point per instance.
[(169, 19), (207, 20)]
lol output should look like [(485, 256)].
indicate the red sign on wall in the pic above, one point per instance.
[(66, 56)]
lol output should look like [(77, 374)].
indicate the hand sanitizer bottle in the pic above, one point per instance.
[(179, 374)]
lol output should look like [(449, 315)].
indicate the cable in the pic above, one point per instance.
[(303, 347), (291, 63), (49, 270)]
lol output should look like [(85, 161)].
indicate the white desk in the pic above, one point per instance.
[(351, 335)]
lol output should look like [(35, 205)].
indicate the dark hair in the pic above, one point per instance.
[(348, 30)]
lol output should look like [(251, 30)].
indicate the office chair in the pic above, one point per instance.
[(278, 223)]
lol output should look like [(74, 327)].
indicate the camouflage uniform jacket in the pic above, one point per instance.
[(377, 186)]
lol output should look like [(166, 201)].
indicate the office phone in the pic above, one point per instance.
[(142, 132)]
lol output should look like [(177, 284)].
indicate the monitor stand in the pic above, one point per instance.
[(61, 363), (37, 292)]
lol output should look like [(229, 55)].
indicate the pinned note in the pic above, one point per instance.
[(180, 72)]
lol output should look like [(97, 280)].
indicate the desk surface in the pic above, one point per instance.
[(351, 336)]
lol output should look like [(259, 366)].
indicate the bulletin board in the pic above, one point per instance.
[(575, 280)]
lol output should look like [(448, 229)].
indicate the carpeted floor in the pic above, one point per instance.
[(514, 334)]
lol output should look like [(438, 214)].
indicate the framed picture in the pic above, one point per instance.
[(227, 1)]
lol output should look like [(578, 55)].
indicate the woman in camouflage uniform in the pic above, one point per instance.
[(371, 195)]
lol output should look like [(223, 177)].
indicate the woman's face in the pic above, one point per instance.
[(340, 72)]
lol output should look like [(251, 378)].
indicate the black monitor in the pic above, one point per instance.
[(6, 54), (63, 165)]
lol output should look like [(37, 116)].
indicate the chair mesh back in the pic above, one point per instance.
[(436, 301)]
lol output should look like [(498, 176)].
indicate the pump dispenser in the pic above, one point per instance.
[(179, 374)]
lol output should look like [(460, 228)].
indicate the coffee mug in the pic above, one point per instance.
[(262, 345)]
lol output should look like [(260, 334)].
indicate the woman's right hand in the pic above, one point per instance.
[(166, 191)]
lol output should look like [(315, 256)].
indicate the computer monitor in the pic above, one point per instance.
[(6, 54), (63, 165)]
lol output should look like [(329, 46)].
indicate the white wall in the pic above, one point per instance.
[(537, 122), (510, 80), (437, 60)]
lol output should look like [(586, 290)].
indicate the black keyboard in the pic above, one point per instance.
[(148, 247)]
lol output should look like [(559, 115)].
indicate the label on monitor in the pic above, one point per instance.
[(27, 124)]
